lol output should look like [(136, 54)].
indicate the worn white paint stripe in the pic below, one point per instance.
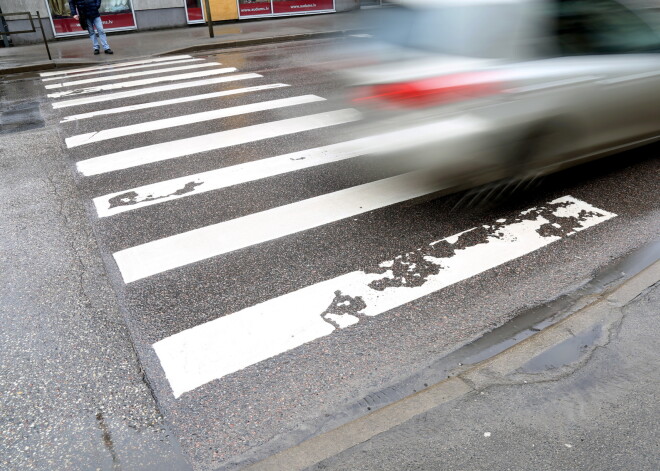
[(143, 73), (151, 90), (173, 101), (168, 190), (122, 69), (228, 344), (193, 246), (113, 133), (139, 83), (113, 66), (218, 140)]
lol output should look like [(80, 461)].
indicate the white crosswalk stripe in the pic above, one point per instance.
[(219, 140), (122, 201), (113, 133), (173, 101), (142, 73), (134, 198), (183, 249), (139, 83), (115, 66), (151, 90), (121, 69)]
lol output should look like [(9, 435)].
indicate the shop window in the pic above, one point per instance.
[(115, 14)]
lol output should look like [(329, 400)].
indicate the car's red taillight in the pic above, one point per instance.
[(430, 91)]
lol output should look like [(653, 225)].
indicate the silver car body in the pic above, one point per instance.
[(552, 101)]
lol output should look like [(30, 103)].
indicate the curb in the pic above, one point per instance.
[(196, 48), (259, 41), (42, 66), (329, 444)]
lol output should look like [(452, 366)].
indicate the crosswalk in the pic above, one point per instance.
[(220, 347), (174, 101), (131, 75), (113, 133), (207, 142), (112, 118), (141, 82), (145, 91)]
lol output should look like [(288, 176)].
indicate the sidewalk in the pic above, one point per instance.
[(580, 394), (131, 45)]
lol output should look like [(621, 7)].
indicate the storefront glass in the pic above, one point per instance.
[(115, 14), (194, 11), (248, 8)]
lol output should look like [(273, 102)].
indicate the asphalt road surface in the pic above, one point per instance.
[(276, 283)]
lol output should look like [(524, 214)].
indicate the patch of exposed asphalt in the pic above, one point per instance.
[(344, 306), (413, 268), (132, 197)]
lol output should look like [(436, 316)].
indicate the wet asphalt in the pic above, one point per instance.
[(73, 393), (249, 414)]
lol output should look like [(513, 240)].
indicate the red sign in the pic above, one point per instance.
[(195, 14), (298, 6), (110, 21), (256, 8)]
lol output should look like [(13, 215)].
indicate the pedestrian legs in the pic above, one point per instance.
[(92, 34), (97, 24)]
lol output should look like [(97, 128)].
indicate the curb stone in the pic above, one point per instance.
[(604, 309), (259, 41), (196, 48), (20, 69)]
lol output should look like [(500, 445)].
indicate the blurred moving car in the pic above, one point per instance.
[(497, 88)]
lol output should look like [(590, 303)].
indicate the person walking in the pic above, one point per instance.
[(89, 11)]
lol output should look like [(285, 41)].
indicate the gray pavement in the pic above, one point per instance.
[(278, 403), (134, 44), (587, 402), (73, 393)]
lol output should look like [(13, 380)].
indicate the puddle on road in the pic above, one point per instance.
[(22, 116), (537, 319), (567, 352), (20, 105)]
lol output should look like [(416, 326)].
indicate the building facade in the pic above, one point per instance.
[(125, 15)]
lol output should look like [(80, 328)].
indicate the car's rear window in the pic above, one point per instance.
[(472, 29), (602, 27)]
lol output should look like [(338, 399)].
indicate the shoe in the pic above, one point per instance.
[(96, 52), (109, 51)]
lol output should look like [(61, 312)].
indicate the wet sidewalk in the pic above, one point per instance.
[(134, 44)]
